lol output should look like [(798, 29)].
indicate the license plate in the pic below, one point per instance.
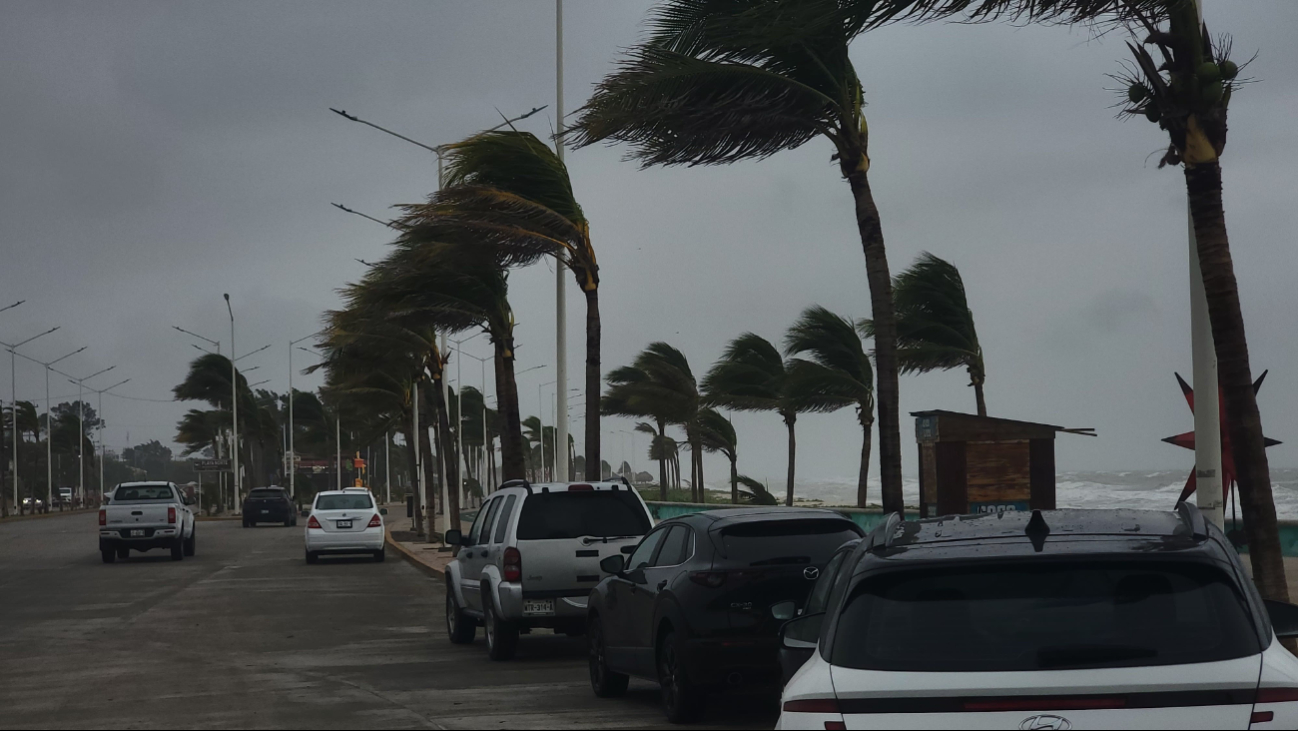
[(344, 524), (538, 607), (137, 534), (264, 512)]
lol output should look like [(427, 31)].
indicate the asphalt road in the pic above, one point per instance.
[(246, 635)]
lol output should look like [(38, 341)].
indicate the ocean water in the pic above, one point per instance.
[(1146, 489)]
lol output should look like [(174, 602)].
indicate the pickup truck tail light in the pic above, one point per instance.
[(513, 564), (375, 522), (313, 523), (103, 517), (171, 515)]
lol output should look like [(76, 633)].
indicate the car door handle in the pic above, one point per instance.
[(662, 585)]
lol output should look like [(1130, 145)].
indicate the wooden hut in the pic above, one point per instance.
[(981, 464)]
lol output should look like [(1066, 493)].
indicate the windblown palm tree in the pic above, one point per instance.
[(719, 81), (508, 193), (755, 492), (658, 384), (1187, 93), (717, 434), (836, 374), (935, 327), (752, 376)]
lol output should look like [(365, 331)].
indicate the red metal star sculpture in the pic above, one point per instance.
[(1186, 440)]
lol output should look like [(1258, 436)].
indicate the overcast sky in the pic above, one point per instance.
[(154, 155)]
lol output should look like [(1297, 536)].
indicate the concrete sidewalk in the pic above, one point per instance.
[(429, 558)]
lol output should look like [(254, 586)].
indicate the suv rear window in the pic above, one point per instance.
[(265, 494), (1048, 616), (143, 492), (601, 514), (343, 502), (777, 542)]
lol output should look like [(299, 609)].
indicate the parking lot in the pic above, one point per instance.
[(246, 635)]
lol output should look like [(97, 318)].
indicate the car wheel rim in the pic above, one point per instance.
[(669, 680), (596, 656), (490, 627), (450, 614)]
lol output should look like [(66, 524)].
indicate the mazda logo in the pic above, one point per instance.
[(1045, 722), (810, 573)]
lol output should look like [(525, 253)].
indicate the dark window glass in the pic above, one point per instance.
[(343, 502), (601, 514), (645, 551), (1047, 616), (266, 495), (143, 492), (477, 524), (782, 542), (491, 509), (820, 592), (502, 525), (676, 547)]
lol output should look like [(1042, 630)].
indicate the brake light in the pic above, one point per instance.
[(103, 517), (835, 726), (513, 564), (313, 523), (375, 522), (812, 705), (171, 515), (710, 579), (1276, 695), (583, 487)]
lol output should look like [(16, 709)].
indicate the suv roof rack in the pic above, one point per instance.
[(1193, 519), (517, 483)]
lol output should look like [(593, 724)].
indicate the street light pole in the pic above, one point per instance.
[(234, 405), (560, 299), (292, 455), (49, 428), (13, 395), (102, 451), (81, 436)]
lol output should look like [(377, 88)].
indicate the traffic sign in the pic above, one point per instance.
[(211, 465)]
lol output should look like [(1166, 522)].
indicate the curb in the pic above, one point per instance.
[(38, 516), (411, 559)]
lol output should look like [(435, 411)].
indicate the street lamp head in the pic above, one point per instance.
[(227, 296)]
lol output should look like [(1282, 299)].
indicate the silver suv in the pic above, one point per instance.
[(532, 557)]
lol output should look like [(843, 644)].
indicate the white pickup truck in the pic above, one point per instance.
[(144, 515)]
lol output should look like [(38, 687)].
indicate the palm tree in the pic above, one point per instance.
[(756, 493), (1187, 95), (717, 434), (659, 384), (752, 376), (720, 81), (935, 327), (664, 450), (509, 194), (836, 374)]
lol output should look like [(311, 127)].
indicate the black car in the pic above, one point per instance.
[(699, 603), (269, 505)]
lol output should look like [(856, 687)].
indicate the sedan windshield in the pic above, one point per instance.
[(343, 502), (1047, 616)]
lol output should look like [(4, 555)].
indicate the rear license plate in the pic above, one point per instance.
[(538, 607), (344, 524), (265, 511), (137, 533)]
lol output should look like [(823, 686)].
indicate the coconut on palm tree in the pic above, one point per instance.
[(752, 376), (719, 81), (508, 194), (835, 373)]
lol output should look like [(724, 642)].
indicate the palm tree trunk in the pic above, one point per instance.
[(593, 383), (452, 466), (887, 392), (513, 463), (662, 463), (698, 449), (734, 481), (1203, 183), (977, 382), (790, 419), (426, 459), (866, 425), (414, 470)]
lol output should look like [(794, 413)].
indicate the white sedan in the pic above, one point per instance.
[(345, 521)]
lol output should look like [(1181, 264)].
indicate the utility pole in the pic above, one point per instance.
[(560, 300), (13, 394), (103, 452), (234, 405)]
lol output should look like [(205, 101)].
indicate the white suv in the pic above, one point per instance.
[(532, 558), (1050, 620), (345, 521)]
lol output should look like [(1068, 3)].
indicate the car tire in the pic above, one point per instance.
[(108, 554), (682, 700), (460, 627), (178, 550), (311, 557), (246, 524), (123, 552), (380, 554), (502, 636), (191, 543), (288, 522), (605, 682)]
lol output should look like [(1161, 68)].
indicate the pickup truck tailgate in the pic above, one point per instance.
[(141, 514)]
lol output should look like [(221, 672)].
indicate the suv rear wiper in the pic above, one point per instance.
[(587, 540), (782, 560)]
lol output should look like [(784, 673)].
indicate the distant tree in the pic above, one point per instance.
[(152, 457)]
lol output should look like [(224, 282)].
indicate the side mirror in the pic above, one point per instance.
[(628, 550), (802, 633), (383, 511), (454, 538), (1284, 618), (784, 610), (612, 564)]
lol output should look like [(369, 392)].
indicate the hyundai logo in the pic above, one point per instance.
[(1045, 722), (810, 573)]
